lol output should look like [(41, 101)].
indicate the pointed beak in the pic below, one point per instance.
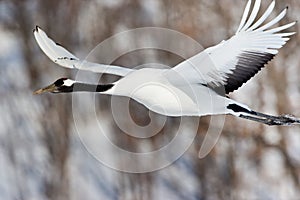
[(50, 88)]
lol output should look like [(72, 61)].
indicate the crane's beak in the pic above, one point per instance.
[(50, 88)]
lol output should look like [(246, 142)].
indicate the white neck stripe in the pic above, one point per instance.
[(69, 82)]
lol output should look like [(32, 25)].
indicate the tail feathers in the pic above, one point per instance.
[(246, 113)]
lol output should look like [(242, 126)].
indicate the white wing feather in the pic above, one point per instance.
[(264, 16), (252, 16), (249, 50), (245, 15), (64, 58)]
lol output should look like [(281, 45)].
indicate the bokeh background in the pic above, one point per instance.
[(41, 155)]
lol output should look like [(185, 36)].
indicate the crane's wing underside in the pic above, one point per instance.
[(232, 63), (64, 58)]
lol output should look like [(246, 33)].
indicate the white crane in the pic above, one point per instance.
[(193, 87)]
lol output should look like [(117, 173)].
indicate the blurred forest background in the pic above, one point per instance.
[(41, 156)]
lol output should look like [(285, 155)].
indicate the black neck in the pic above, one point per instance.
[(81, 87)]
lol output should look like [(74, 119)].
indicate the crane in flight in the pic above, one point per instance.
[(196, 86)]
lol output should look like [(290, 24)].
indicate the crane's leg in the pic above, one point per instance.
[(270, 120), (282, 120)]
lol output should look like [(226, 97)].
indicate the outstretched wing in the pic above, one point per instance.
[(64, 58), (233, 62)]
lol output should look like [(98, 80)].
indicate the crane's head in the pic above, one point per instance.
[(61, 85)]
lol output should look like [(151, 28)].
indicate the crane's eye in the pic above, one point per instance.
[(60, 82)]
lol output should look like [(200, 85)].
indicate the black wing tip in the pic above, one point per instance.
[(36, 29), (237, 108), (58, 44), (250, 63), (231, 89)]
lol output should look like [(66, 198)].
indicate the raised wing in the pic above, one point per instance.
[(233, 62), (64, 58)]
